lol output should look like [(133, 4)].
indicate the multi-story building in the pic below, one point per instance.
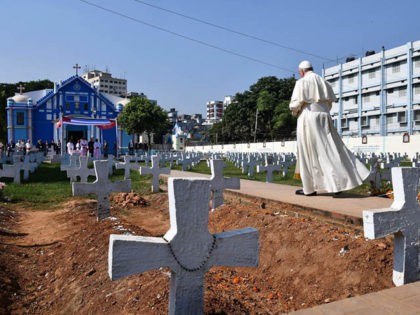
[(214, 111), (104, 82), (173, 116), (378, 94)]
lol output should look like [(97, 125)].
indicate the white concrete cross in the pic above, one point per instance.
[(127, 166), (402, 220), (27, 167), (188, 248), (73, 164), (101, 187), (155, 171), (13, 170), (111, 163), (269, 167), (83, 172), (218, 183)]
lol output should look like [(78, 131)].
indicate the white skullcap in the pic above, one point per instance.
[(305, 64)]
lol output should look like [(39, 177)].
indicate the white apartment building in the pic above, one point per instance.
[(104, 82), (214, 111), (378, 94)]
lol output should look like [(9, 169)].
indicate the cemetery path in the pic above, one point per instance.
[(303, 261)]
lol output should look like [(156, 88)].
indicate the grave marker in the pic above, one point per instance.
[(218, 183), (127, 166), (402, 220), (155, 171), (101, 187), (83, 172), (187, 248)]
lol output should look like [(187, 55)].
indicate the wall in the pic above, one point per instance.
[(374, 144)]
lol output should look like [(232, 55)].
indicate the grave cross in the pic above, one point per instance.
[(187, 248), (402, 220), (127, 166), (101, 187), (20, 88), (83, 172), (155, 171), (269, 167), (77, 67), (218, 183)]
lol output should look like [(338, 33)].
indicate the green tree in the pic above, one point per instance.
[(140, 115), (271, 97)]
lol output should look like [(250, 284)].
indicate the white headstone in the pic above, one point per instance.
[(155, 171), (402, 220), (187, 248), (102, 187), (218, 183)]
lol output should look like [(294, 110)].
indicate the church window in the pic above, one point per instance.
[(20, 118)]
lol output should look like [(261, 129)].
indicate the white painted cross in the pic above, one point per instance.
[(13, 170), (127, 166), (83, 172), (101, 187), (187, 248), (155, 171), (218, 183), (73, 164), (402, 220), (269, 167)]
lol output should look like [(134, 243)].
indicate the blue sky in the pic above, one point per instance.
[(43, 40)]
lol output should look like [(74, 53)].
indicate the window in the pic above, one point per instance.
[(351, 78), (85, 107), (402, 92), (390, 118), (402, 117), (344, 123), (364, 121), (417, 63), (416, 115), (417, 89), (76, 106), (20, 118), (366, 98), (372, 73), (67, 106), (396, 67)]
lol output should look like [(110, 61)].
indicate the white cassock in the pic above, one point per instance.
[(325, 163)]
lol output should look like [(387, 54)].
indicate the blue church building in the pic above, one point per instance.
[(71, 110)]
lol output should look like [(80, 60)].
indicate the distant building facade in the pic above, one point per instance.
[(214, 111), (378, 94), (106, 83), (73, 109)]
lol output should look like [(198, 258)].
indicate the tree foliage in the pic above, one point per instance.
[(8, 90), (140, 115), (266, 101)]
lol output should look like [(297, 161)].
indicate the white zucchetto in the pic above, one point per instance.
[(305, 64)]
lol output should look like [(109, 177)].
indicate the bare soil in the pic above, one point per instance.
[(55, 262)]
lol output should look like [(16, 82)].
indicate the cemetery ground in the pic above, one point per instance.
[(54, 254)]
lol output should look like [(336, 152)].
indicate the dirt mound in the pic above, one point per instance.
[(303, 262), (128, 200)]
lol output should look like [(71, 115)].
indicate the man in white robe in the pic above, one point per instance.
[(324, 162)]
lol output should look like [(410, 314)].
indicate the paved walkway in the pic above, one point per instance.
[(346, 207)]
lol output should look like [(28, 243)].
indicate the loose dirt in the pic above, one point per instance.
[(55, 262)]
